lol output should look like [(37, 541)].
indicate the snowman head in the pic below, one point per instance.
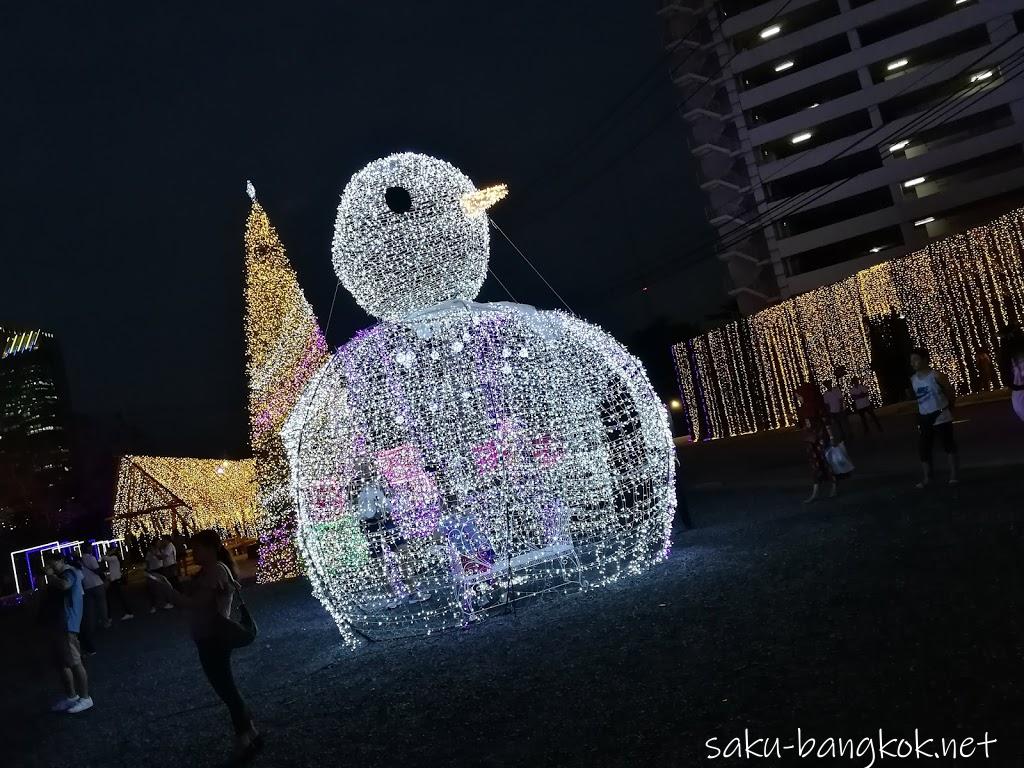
[(412, 232)]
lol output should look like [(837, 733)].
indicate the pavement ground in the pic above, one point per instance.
[(887, 608)]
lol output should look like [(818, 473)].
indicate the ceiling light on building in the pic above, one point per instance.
[(899, 145), (898, 64), (960, 2), (922, 222), (800, 137), (877, 248), (815, 104), (978, 76), (783, 65), (913, 182), (771, 31)]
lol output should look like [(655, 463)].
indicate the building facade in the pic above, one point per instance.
[(834, 134), (35, 454)]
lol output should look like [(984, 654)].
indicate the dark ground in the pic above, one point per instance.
[(887, 608)]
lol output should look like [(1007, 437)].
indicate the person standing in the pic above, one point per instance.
[(214, 588), (1011, 365), (861, 397), (935, 399), (169, 558), (115, 584), (94, 611), (836, 409), (812, 412), (63, 609), (154, 565)]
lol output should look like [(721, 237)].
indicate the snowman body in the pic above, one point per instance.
[(508, 451)]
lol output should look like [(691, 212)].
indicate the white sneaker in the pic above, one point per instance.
[(64, 704), (168, 606), (81, 705), (128, 616)]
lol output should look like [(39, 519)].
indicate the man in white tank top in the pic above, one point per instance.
[(934, 403)]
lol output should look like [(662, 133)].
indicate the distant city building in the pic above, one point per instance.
[(34, 440), (816, 113)]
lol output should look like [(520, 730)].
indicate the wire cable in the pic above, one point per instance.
[(530, 263), (799, 202), (673, 264)]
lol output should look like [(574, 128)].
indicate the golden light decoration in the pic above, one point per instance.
[(284, 347), (475, 203), (161, 494), (953, 297)]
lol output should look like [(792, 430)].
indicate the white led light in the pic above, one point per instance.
[(978, 76), (876, 249), (783, 66), (913, 182), (899, 145), (815, 104), (458, 455), (898, 64), (801, 137), (771, 31), (922, 222)]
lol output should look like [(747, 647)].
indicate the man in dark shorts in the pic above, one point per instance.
[(63, 614), (935, 398)]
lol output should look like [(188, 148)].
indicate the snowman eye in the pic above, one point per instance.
[(398, 199)]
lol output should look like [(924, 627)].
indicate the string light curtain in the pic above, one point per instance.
[(158, 495), (953, 296), (284, 347)]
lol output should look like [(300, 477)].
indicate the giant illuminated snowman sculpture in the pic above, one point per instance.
[(458, 456)]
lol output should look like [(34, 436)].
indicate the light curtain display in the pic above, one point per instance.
[(461, 455), (952, 298), (284, 347), (158, 495)]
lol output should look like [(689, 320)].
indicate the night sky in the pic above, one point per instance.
[(128, 137)]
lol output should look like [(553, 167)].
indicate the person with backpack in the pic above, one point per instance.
[(214, 632)]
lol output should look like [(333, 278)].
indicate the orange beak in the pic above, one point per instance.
[(477, 202)]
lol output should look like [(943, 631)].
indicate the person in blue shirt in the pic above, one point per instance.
[(63, 613)]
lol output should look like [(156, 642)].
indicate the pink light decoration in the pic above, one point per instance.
[(415, 501)]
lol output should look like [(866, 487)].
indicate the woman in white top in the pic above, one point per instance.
[(934, 403), (115, 585), (213, 590)]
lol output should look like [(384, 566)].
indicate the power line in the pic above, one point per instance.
[(913, 126), (658, 123), (923, 122), (577, 145), (674, 263), (798, 202)]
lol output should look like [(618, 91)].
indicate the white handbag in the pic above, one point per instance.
[(839, 460)]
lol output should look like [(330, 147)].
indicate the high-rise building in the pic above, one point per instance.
[(833, 134), (34, 441)]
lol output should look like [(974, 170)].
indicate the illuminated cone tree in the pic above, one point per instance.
[(284, 347)]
